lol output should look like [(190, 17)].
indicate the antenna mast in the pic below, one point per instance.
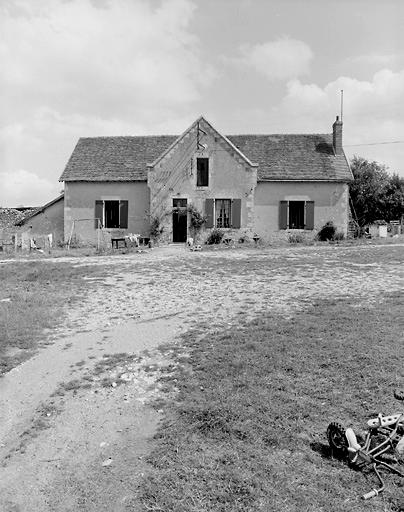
[(342, 103)]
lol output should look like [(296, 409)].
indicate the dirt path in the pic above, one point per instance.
[(48, 441), (53, 448)]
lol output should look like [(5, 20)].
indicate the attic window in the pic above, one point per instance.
[(202, 172)]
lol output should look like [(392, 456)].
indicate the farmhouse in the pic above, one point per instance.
[(267, 185)]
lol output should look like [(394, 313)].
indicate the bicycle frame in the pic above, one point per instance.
[(366, 455)]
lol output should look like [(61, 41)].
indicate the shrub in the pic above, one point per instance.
[(327, 232), (75, 242), (197, 219), (295, 238), (155, 228), (339, 235), (215, 237)]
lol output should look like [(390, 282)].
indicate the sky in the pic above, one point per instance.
[(83, 68)]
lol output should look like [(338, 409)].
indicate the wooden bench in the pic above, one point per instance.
[(142, 240), (116, 240)]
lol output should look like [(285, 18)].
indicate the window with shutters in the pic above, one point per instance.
[(202, 172), (223, 213), (113, 214), (296, 215)]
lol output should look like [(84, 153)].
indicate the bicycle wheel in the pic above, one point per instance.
[(399, 394), (337, 440)]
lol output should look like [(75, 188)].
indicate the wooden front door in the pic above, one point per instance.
[(180, 220)]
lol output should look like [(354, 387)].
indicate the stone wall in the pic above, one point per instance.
[(8, 229)]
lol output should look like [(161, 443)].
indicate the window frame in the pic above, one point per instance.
[(216, 224), (297, 214), (122, 222), (204, 171), (109, 205)]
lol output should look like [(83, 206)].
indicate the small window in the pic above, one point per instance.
[(179, 204), (202, 172), (296, 214), (223, 213)]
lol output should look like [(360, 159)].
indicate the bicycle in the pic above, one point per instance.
[(383, 445)]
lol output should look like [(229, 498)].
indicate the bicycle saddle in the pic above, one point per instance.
[(384, 421)]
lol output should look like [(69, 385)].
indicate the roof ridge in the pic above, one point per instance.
[(126, 136), (229, 135), (276, 134)]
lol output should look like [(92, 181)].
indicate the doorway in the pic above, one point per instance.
[(180, 215)]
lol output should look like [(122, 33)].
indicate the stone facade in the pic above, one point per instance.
[(174, 176)]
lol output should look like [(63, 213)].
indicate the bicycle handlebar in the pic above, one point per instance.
[(370, 494)]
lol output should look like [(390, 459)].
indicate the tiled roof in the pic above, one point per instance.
[(114, 158), (28, 215), (279, 157), (294, 157), (9, 217)]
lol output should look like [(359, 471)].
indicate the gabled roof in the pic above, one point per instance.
[(308, 157), (38, 210), (195, 126)]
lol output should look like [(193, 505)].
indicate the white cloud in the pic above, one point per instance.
[(25, 188), (85, 68), (373, 112), (373, 101), (278, 60), (119, 59)]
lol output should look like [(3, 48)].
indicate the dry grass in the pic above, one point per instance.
[(39, 294), (246, 432)]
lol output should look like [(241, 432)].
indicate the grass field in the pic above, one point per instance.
[(34, 297), (246, 430), (246, 407)]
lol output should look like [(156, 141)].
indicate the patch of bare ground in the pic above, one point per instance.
[(59, 415), (90, 457)]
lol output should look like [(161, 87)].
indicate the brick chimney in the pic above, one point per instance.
[(337, 137)]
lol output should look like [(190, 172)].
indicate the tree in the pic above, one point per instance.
[(394, 196), (375, 194)]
